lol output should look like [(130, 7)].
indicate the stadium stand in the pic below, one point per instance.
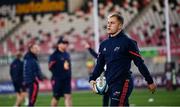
[(149, 29), (47, 28)]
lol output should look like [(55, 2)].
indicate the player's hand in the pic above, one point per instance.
[(66, 65), (93, 84), (152, 87), (86, 45)]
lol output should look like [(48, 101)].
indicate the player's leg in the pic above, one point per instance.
[(18, 94), (18, 99), (124, 98), (68, 100), (67, 93), (33, 91), (126, 92), (105, 100), (54, 102), (23, 94), (25, 98), (114, 92), (21, 98), (130, 89), (120, 92), (56, 96)]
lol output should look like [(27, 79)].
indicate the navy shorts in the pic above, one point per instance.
[(61, 87), (19, 87), (120, 91)]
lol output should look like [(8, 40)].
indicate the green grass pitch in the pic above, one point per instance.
[(139, 97)]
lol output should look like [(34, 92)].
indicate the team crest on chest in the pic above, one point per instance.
[(104, 49), (116, 49)]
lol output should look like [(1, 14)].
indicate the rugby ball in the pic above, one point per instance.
[(101, 86)]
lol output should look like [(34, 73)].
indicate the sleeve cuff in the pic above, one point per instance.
[(150, 80)]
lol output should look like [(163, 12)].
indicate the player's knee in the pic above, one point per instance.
[(115, 97), (67, 97), (56, 97)]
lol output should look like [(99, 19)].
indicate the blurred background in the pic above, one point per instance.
[(23, 22)]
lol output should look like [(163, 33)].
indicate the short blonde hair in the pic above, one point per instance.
[(118, 16)]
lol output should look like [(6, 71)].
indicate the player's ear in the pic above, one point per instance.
[(120, 26)]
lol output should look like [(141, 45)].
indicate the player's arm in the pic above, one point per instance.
[(98, 68), (139, 62), (12, 69), (28, 66), (70, 65), (92, 52), (51, 63), (40, 75), (28, 70)]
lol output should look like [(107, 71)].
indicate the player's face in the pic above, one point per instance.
[(35, 49), (66, 45), (113, 25), (62, 46), (19, 54)]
